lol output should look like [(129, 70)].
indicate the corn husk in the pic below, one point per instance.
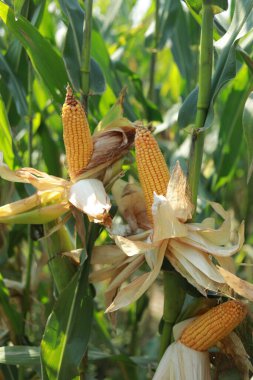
[(129, 198), (233, 347), (89, 196), (241, 287), (53, 198), (188, 246), (182, 363)]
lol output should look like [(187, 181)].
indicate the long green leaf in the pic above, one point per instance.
[(18, 4), (44, 58), (73, 48), (15, 87), (231, 131), (20, 355), (5, 136), (247, 121), (68, 330), (50, 150), (13, 316), (225, 70)]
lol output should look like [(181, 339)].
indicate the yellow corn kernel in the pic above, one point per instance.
[(153, 171), (76, 135), (214, 325)]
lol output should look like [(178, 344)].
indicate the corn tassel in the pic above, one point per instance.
[(214, 325), (153, 171), (76, 135)]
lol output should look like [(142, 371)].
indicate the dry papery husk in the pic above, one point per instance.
[(109, 146), (182, 363), (233, 348), (244, 288), (130, 200)]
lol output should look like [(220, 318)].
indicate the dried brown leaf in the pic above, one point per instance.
[(244, 288)]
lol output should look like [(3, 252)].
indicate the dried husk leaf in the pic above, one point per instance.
[(131, 248), (233, 347), (74, 255), (178, 194), (182, 363), (109, 146), (107, 254), (197, 258), (136, 288), (194, 276), (124, 274), (227, 263), (242, 287), (37, 216), (195, 239), (220, 236), (110, 273), (89, 196), (20, 206), (130, 200), (38, 179), (166, 225)]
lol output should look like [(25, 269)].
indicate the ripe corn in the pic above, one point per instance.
[(214, 325), (153, 171), (76, 135)]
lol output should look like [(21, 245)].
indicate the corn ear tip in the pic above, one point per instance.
[(70, 98)]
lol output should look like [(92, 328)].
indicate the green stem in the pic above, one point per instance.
[(204, 97), (86, 48), (165, 338), (151, 92), (174, 296)]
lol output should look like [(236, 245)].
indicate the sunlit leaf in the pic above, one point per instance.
[(225, 70), (15, 87), (231, 131), (97, 79), (50, 150), (44, 58), (196, 5), (13, 316), (247, 121), (20, 355), (18, 5), (68, 329), (5, 136)]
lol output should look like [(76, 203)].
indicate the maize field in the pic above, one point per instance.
[(126, 190)]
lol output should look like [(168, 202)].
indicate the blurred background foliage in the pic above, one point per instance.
[(155, 55)]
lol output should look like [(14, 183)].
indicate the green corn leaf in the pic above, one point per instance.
[(68, 329), (18, 5), (231, 131), (44, 58), (247, 121), (73, 48), (5, 136), (15, 87), (225, 70), (13, 316), (20, 355), (50, 150)]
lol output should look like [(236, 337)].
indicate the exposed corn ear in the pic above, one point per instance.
[(76, 135), (206, 330), (153, 171)]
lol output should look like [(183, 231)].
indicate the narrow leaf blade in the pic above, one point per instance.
[(247, 120)]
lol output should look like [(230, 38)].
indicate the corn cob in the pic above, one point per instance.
[(76, 135), (153, 172), (214, 325)]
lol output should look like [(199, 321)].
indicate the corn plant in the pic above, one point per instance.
[(126, 189)]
